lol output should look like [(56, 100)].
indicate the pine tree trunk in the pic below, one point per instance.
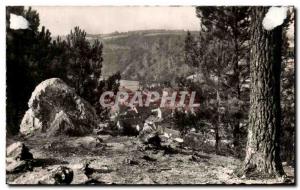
[(217, 136), (262, 151), (236, 123)]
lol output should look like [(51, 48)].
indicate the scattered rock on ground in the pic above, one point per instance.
[(115, 146), (199, 158), (18, 151), (94, 171), (148, 158), (126, 128), (145, 179), (86, 142), (111, 169), (63, 175), (130, 161), (60, 175), (18, 158), (14, 166), (151, 138)]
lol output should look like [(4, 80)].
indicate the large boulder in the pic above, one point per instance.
[(56, 109)]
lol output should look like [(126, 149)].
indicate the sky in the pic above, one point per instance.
[(102, 20)]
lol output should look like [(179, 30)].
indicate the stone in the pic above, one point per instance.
[(127, 129), (56, 109), (63, 175), (150, 135), (85, 142), (60, 175), (130, 161), (145, 179), (148, 158), (18, 158), (18, 151), (14, 166)]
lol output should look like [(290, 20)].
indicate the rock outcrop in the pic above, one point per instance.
[(56, 109)]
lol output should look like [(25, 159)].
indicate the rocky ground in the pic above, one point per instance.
[(104, 159)]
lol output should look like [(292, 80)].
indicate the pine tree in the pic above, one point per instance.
[(84, 63), (230, 24), (190, 50), (263, 146)]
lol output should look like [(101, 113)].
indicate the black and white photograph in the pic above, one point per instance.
[(150, 95)]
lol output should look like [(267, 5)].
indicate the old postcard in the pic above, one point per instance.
[(161, 95)]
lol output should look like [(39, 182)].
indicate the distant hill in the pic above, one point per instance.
[(148, 55)]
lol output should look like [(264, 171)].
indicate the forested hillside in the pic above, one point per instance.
[(153, 55)]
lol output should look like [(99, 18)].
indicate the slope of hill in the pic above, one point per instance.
[(149, 55)]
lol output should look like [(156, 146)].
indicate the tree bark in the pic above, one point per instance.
[(236, 123), (263, 146), (217, 136)]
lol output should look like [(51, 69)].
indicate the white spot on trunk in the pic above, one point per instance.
[(274, 17), (18, 22)]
